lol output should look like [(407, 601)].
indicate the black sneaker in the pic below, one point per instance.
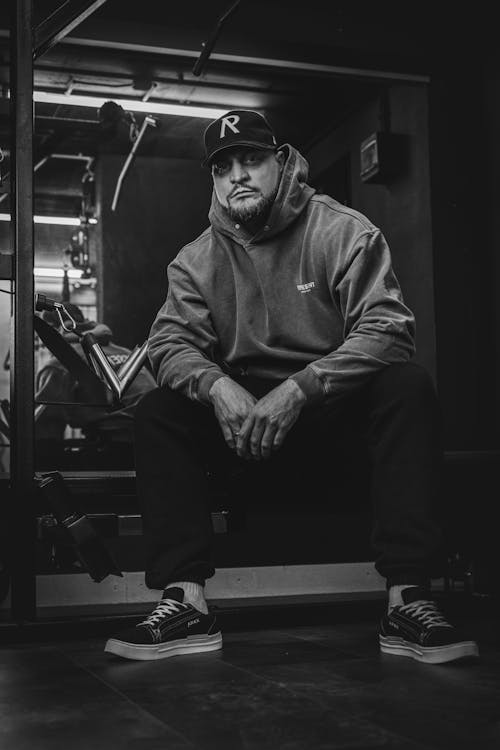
[(419, 630), (173, 628)]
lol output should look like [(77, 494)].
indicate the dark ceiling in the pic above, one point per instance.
[(307, 66)]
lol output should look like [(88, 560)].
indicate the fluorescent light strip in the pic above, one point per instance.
[(132, 105), (57, 273), (70, 221)]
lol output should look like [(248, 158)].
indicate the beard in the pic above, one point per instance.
[(255, 209)]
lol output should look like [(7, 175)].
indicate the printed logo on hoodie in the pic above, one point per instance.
[(304, 288)]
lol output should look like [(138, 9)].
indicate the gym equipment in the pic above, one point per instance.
[(78, 530)]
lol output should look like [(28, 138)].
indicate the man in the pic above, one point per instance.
[(109, 427), (283, 322)]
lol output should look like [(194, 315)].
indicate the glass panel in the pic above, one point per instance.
[(5, 249), (5, 312), (5, 315), (65, 263)]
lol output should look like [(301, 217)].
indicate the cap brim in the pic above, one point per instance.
[(264, 146)]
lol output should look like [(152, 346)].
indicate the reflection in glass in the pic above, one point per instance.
[(6, 147), (81, 419), (5, 307), (5, 313)]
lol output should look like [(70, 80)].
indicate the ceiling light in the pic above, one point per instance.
[(70, 221), (132, 105)]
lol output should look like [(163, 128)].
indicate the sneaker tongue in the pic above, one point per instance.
[(175, 593), (414, 593)]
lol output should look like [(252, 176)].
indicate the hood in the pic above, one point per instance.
[(102, 333), (293, 195)]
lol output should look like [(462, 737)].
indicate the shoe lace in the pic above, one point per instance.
[(427, 613), (165, 607)]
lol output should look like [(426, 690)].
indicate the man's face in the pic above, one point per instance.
[(246, 180)]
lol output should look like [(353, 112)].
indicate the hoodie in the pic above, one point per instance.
[(312, 296)]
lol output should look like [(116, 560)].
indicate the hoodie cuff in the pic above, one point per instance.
[(310, 384), (205, 382)]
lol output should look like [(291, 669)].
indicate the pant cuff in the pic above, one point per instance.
[(409, 580)]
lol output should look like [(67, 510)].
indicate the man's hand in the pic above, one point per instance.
[(267, 425), (232, 404)]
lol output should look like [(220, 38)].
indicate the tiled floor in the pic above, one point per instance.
[(302, 687)]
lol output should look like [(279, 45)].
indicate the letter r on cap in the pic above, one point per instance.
[(229, 122)]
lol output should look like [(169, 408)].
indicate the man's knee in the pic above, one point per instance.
[(160, 402)]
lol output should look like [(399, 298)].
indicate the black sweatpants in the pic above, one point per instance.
[(395, 417)]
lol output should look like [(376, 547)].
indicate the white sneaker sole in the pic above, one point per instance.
[(193, 644), (429, 655)]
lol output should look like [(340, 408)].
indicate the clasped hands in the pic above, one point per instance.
[(255, 428)]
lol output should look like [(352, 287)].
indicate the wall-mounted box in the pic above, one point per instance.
[(384, 156)]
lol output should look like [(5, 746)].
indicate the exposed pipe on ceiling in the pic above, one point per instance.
[(208, 46)]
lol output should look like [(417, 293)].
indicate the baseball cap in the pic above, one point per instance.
[(238, 127)]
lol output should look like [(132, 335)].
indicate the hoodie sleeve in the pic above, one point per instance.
[(378, 327), (182, 341)]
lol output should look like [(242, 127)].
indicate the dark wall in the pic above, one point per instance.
[(402, 207), (464, 150), (441, 225), (491, 196), (163, 205)]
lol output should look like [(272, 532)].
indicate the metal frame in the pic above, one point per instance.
[(54, 28), (261, 62), (23, 581)]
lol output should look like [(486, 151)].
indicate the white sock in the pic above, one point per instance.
[(395, 598), (193, 594)]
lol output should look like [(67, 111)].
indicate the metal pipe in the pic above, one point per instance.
[(93, 364), (74, 157), (131, 367), (59, 23), (147, 121), (39, 410), (124, 367), (208, 46), (92, 348), (35, 169), (292, 66)]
